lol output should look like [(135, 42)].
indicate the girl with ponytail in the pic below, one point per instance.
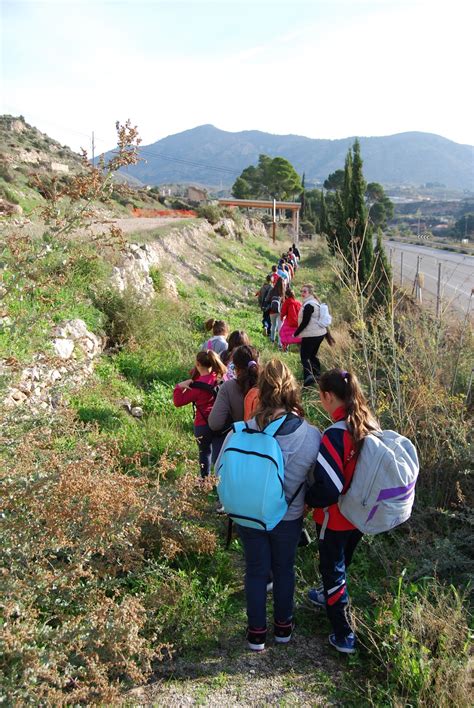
[(200, 390), (342, 397), (229, 405)]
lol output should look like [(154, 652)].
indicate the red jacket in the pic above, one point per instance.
[(336, 464), (203, 400), (290, 309)]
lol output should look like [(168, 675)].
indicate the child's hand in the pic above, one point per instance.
[(185, 384)]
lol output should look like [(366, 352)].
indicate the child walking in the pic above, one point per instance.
[(274, 551), (218, 342), (342, 397), (199, 390)]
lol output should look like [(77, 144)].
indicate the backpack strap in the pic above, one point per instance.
[(239, 426), (210, 388), (273, 427), (209, 345)]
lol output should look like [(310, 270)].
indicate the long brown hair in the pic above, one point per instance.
[(345, 386), (237, 338), (217, 327), (277, 389), (245, 360), (210, 360)]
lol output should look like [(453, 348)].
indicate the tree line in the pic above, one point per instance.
[(348, 211)]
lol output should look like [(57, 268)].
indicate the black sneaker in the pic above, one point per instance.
[(256, 638), (309, 381), (283, 631)]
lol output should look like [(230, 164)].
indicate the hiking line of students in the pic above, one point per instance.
[(273, 466)]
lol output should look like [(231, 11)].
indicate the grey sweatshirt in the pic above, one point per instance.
[(299, 443), (218, 344), (228, 406)]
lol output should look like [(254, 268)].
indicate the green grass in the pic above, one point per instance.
[(157, 349)]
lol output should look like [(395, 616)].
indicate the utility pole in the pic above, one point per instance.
[(93, 147), (401, 269)]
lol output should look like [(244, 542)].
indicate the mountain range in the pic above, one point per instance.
[(212, 157)]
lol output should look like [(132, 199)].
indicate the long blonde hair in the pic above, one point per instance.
[(277, 389)]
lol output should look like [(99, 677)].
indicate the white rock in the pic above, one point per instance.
[(137, 412), (55, 375), (63, 348)]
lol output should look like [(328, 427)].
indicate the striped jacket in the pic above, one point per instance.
[(332, 473)]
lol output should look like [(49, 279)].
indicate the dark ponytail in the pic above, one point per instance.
[(345, 386), (245, 360)]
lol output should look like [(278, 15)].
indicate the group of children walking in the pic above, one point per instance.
[(228, 385)]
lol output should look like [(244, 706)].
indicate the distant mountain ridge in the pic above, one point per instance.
[(211, 156)]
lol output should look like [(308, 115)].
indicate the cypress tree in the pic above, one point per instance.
[(358, 214), (323, 216), (381, 294), (342, 233), (304, 214), (346, 190)]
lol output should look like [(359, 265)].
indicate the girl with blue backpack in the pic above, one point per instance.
[(342, 397), (201, 391), (269, 454)]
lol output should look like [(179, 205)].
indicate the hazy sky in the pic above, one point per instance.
[(320, 68)]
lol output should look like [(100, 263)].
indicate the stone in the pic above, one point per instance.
[(55, 375), (25, 387), (63, 348), (18, 396), (137, 412)]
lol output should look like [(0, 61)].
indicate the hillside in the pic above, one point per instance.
[(131, 584), (406, 158), (29, 157)]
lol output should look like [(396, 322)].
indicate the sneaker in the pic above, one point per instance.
[(346, 645), (270, 586), (316, 597), (309, 381), (220, 509), (283, 631), (256, 638)]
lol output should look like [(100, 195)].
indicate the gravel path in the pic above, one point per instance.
[(303, 673)]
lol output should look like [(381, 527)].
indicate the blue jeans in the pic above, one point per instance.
[(275, 325), (270, 552), (335, 555), (204, 435)]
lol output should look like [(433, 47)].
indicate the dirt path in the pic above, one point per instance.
[(302, 673), (131, 224)]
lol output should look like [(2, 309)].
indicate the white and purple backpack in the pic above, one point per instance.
[(382, 490)]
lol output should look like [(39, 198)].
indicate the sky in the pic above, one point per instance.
[(319, 68)]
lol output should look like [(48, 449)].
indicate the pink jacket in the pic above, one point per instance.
[(202, 399)]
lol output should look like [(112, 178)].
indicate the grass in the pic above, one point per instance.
[(129, 556)]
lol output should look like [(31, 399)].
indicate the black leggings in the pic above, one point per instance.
[(309, 359)]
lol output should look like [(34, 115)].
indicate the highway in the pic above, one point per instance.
[(457, 273)]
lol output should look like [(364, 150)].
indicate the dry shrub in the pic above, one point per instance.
[(80, 539), (420, 640)]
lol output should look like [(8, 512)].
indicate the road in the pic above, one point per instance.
[(457, 272)]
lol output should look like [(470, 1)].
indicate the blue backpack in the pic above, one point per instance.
[(251, 476)]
